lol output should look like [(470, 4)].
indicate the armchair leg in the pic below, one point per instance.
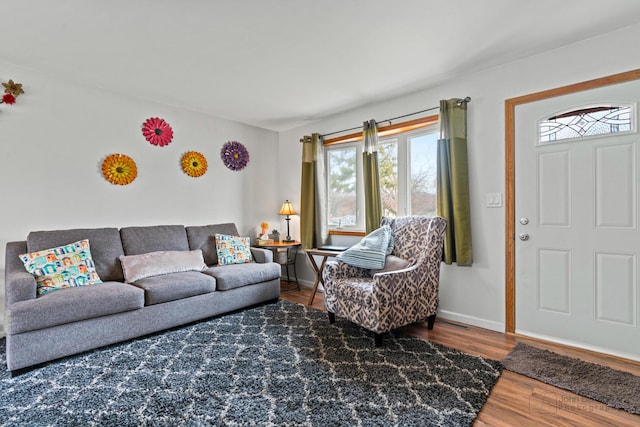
[(377, 339), (431, 320), (332, 317)]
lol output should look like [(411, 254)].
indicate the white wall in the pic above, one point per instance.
[(53, 141), (475, 295), (54, 138)]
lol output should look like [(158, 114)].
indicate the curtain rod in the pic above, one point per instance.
[(460, 102)]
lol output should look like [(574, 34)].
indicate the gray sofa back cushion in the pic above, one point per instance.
[(142, 240), (105, 244), (203, 237)]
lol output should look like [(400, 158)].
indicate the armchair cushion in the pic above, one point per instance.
[(370, 253), (392, 263)]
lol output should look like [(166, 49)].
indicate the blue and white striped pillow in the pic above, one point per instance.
[(370, 253)]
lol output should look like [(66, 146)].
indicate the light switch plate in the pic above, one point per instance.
[(494, 200)]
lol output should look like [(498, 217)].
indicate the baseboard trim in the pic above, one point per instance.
[(471, 320), (575, 344)]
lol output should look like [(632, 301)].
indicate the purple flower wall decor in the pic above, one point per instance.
[(234, 155)]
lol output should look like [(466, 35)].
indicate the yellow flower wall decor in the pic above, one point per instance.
[(194, 164), (14, 89), (119, 169)]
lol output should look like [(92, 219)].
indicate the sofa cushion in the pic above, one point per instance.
[(233, 249), (62, 267), (71, 305), (203, 237), (136, 267), (174, 286), (105, 247), (238, 275), (140, 240)]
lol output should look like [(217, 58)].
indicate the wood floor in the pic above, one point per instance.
[(515, 400)]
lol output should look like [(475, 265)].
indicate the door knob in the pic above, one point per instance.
[(524, 221), (524, 237)]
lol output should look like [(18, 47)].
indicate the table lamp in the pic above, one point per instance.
[(287, 210)]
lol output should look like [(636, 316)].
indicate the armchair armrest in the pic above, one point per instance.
[(334, 270), (262, 256), (414, 281)]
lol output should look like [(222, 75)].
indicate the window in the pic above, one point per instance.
[(344, 164), (586, 121), (407, 164)]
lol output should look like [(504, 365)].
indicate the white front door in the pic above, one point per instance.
[(577, 238)]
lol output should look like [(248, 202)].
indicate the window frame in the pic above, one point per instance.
[(409, 129)]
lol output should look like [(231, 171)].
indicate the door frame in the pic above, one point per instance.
[(509, 140)]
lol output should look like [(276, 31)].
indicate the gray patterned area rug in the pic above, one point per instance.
[(272, 365)]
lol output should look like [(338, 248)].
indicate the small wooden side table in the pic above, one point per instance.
[(291, 250), (318, 270)]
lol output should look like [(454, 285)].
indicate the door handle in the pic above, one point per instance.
[(524, 237)]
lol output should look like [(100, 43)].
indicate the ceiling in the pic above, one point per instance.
[(279, 64)]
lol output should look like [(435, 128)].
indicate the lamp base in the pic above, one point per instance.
[(288, 238)]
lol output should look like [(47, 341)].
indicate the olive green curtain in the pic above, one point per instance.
[(453, 182), (371, 174), (313, 200)]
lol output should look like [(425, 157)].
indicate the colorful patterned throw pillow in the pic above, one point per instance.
[(233, 249), (62, 267)]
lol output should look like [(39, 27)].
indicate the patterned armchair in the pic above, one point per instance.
[(385, 301)]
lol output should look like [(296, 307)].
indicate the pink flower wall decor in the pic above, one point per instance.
[(157, 131)]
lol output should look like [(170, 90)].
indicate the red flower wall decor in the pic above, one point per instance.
[(157, 131), (8, 98)]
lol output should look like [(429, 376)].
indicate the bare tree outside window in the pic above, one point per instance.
[(342, 206), (388, 167), (423, 174)]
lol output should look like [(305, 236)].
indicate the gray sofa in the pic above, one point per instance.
[(77, 319)]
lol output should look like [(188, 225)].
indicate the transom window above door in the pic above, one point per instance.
[(587, 121)]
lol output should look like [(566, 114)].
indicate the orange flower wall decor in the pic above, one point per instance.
[(119, 169), (157, 131), (194, 164)]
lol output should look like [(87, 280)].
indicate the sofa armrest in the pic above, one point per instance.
[(19, 284), (262, 256)]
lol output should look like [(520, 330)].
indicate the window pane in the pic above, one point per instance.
[(586, 121), (388, 166), (423, 174), (341, 168)]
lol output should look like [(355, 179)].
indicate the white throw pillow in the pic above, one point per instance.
[(136, 267)]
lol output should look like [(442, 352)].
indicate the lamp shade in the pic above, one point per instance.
[(286, 209)]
